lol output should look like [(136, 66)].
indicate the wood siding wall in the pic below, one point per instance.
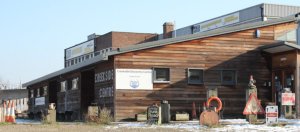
[(105, 101), (69, 100), (236, 51), (32, 108)]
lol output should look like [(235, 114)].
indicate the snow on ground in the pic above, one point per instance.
[(292, 125), (27, 121)]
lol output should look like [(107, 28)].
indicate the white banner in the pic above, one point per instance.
[(81, 49), (135, 79), (40, 101)]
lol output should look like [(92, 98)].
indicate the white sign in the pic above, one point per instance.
[(271, 114), (135, 79), (84, 48), (217, 23), (40, 101), (288, 98)]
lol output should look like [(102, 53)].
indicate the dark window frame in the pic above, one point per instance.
[(233, 82), (200, 82), (168, 78)]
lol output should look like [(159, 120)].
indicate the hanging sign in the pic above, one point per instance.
[(288, 98)]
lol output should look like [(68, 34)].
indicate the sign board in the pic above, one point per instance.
[(134, 79), (152, 114), (217, 23), (81, 49), (271, 114), (40, 101), (288, 98), (253, 106)]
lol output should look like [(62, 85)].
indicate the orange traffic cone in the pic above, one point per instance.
[(10, 116), (7, 111)]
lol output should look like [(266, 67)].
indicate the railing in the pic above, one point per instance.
[(85, 57)]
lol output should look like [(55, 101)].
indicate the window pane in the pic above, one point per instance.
[(228, 77), (74, 83), (63, 86), (162, 74), (195, 76)]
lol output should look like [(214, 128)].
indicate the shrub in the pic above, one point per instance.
[(104, 117)]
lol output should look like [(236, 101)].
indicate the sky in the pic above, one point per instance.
[(34, 33)]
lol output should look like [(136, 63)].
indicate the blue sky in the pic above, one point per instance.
[(34, 33)]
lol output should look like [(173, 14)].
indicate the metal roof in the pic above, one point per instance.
[(88, 62), (281, 46), (211, 33), (163, 42)]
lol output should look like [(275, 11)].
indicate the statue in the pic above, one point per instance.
[(251, 83)]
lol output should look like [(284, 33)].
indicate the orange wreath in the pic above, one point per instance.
[(218, 100)]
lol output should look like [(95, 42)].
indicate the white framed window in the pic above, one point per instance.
[(63, 86), (31, 93), (75, 83), (161, 75), (38, 92), (45, 90), (195, 76)]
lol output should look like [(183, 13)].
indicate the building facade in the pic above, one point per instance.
[(128, 72)]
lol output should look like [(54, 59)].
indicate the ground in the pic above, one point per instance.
[(226, 125)]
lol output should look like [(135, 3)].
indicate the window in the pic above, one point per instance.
[(63, 86), (229, 77), (195, 76), (31, 93), (38, 92), (161, 75), (72, 62), (79, 59), (75, 83), (45, 92), (87, 57), (75, 61)]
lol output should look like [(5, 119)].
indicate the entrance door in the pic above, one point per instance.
[(87, 89), (283, 78)]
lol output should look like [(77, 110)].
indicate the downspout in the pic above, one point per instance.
[(297, 74)]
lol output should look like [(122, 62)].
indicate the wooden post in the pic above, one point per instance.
[(297, 90)]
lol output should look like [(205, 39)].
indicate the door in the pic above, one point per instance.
[(283, 78)]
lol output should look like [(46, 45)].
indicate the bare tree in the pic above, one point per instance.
[(4, 84)]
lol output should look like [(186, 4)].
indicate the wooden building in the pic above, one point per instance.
[(129, 78)]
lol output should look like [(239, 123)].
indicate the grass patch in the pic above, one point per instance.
[(216, 126), (5, 123), (278, 124)]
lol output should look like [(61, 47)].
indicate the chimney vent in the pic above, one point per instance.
[(168, 28)]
